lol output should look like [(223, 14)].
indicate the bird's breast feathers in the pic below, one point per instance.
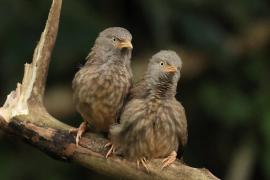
[(110, 85)]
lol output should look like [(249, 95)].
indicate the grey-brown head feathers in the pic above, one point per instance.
[(163, 73), (117, 32), (168, 56), (112, 42)]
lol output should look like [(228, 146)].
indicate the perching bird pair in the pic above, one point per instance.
[(152, 122)]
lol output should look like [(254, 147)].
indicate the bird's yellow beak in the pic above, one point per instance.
[(170, 69), (124, 44)]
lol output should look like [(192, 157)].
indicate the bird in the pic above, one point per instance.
[(100, 87), (153, 123)]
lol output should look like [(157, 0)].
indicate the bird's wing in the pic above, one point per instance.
[(139, 90), (128, 130), (181, 123), (83, 79), (126, 99)]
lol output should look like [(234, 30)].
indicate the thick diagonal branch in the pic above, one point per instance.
[(25, 116), (60, 144)]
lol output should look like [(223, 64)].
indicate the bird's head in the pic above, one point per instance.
[(115, 40), (164, 67)]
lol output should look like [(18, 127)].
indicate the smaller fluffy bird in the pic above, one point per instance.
[(153, 123), (100, 87)]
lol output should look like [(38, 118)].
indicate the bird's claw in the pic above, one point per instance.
[(169, 160), (144, 162), (78, 137), (80, 132), (73, 130), (108, 144), (111, 150)]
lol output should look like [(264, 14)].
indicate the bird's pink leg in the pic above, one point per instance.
[(82, 128), (169, 160)]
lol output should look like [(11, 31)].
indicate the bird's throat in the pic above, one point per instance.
[(164, 88)]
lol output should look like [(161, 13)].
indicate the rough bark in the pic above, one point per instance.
[(25, 116)]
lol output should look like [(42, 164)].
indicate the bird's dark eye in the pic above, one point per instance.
[(114, 39), (161, 63)]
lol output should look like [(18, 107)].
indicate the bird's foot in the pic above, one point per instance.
[(73, 130), (169, 160), (111, 150), (80, 132), (144, 162)]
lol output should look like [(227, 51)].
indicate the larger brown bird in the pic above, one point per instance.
[(102, 84), (153, 123)]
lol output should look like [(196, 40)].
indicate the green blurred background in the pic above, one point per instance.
[(225, 86)]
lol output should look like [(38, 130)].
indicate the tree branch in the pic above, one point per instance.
[(25, 116), (43, 51)]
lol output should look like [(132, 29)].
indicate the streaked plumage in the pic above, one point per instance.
[(102, 84), (153, 123)]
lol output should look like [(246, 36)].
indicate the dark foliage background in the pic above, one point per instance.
[(224, 87)]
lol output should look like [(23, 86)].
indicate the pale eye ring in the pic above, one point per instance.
[(161, 63)]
